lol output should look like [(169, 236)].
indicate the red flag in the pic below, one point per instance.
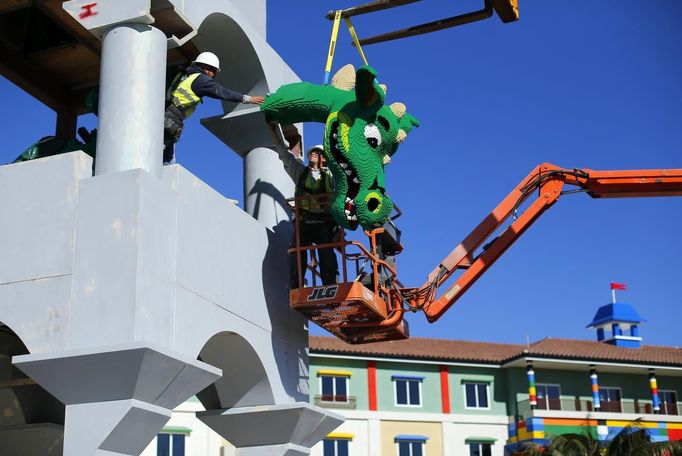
[(618, 286)]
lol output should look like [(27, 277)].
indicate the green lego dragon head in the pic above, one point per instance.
[(361, 135)]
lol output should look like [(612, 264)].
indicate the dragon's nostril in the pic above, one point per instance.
[(373, 204)]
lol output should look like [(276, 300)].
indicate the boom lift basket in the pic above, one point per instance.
[(357, 310)]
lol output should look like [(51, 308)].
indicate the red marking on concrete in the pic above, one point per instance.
[(87, 10)]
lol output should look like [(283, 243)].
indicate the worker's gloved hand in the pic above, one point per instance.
[(291, 134)]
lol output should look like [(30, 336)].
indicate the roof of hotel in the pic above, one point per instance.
[(494, 353)]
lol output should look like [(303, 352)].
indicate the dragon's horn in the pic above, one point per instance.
[(384, 88), (398, 109), (401, 136), (407, 121), (344, 79)]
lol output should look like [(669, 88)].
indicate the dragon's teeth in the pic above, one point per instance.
[(348, 172), (347, 212), (348, 200), (353, 217), (343, 165), (355, 180)]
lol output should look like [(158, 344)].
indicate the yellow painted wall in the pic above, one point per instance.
[(389, 429)]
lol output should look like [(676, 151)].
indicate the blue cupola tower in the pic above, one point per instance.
[(618, 324)]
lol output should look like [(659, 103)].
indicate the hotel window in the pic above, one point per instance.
[(668, 402), (609, 398), (334, 385), (410, 445), (337, 444), (171, 441), (549, 396), (408, 390), (476, 395), (480, 449)]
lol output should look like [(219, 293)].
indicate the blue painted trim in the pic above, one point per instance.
[(411, 438), (407, 377)]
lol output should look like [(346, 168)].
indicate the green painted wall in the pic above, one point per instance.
[(670, 383), (517, 388), (431, 401), (357, 383), (633, 386), (497, 397)]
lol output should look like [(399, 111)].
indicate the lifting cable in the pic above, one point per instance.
[(332, 43)]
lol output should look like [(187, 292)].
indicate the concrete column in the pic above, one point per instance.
[(373, 436), (594, 381), (449, 432), (266, 187), (532, 393), (653, 385), (131, 100), (112, 427)]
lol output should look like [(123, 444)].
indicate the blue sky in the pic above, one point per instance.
[(579, 84)]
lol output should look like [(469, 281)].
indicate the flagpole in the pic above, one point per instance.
[(613, 295)]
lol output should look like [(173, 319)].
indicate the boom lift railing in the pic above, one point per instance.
[(362, 307)]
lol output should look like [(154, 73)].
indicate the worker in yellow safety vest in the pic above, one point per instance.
[(316, 225), (186, 92)]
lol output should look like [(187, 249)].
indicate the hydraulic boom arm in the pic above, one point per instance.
[(548, 180)]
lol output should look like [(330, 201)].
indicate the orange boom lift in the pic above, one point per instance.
[(370, 307)]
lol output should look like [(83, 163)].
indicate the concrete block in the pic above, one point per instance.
[(125, 241), (38, 311), (40, 198)]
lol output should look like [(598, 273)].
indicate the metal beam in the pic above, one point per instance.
[(370, 7), (10, 5), (33, 80), (430, 26)]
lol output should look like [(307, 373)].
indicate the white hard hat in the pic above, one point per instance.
[(208, 58), (318, 147)]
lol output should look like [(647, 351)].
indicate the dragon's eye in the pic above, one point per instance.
[(372, 135)]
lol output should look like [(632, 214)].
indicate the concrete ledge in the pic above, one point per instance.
[(300, 424), (129, 371)]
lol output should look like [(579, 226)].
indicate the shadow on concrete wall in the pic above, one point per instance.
[(244, 381), (240, 65), (284, 229), (293, 327), (242, 71), (22, 401)]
